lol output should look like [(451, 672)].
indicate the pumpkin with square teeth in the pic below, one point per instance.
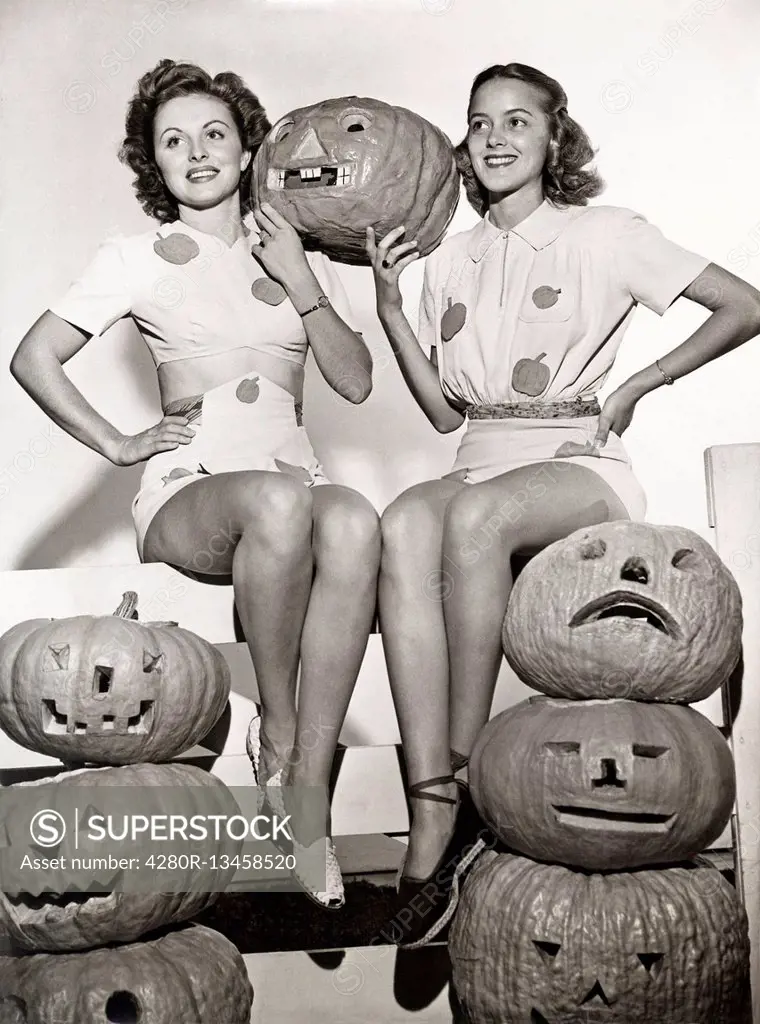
[(603, 785), (541, 944), (70, 904), (108, 689), (192, 975), (340, 166), (625, 609)]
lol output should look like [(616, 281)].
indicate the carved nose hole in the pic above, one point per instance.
[(635, 570), (536, 1017), (609, 775), (101, 681), (123, 1008), (597, 992)]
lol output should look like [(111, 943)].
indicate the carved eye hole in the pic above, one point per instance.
[(536, 1017), (686, 559), (355, 121), (281, 130), (648, 750), (567, 747), (651, 962), (548, 950), (593, 549), (57, 657), (152, 662)]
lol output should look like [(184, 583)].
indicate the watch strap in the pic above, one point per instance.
[(322, 303)]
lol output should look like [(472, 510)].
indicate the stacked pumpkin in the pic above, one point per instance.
[(127, 696), (607, 788)]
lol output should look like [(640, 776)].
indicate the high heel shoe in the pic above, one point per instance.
[(253, 743), (440, 890), (333, 896)]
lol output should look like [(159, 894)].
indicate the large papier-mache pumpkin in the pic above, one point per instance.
[(107, 689), (337, 167), (53, 912), (541, 944), (625, 609), (603, 785), (192, 975)]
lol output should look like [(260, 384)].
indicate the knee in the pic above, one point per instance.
[(469, 516), (406, 525), (282, 507), (350, 529)]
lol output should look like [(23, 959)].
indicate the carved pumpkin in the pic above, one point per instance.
[(192, 975), (337, 167), (604, 784), (540, 944), (625, 609), (109, 690), (42, 909)]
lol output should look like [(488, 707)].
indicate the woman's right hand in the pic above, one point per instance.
[(169, 433), (388, 260)]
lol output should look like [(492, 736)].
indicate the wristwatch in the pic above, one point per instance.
[(322, 303)]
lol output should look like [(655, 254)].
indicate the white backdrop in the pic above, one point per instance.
[(668, 91)]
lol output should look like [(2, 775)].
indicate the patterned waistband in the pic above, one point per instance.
[(535, 410)]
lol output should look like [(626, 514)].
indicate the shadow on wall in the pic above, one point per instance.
[(97, 513)]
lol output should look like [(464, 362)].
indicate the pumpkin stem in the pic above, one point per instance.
[(539, 358), (128, 606)]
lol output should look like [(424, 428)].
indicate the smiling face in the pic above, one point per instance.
[(625, 610), (198, 150), (341, 165), (603, 785), (540, 944), (508, 136)]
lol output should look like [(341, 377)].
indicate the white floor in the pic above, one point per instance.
[(368, 986)]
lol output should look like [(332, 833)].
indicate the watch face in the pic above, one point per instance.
[(323, 301)]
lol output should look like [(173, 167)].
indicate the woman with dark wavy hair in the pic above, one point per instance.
[(523, 316), (228, 307)]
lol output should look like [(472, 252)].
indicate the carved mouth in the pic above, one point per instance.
[(322, 176), (613, 821), (627, 606)]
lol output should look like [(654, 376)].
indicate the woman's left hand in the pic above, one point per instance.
[(280, 251), (616, 415)]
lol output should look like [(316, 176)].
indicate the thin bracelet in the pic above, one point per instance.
[(668, 378)]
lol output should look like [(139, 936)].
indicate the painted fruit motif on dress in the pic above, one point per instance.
[(176, 248), (453, 319), (531, 376)]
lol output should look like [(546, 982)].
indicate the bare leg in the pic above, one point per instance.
[(521, 511), (412, 584), (346, 544), (257, 527)]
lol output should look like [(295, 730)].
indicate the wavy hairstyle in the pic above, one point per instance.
[(566, 180), (167, 80)]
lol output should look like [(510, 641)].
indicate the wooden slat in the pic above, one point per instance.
[(733, 489)]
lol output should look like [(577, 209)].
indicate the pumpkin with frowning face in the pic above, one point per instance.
[(337, 167), (192, 975), (603, 785), (625, 609), (107, 689), (541, 944), (56, 908)]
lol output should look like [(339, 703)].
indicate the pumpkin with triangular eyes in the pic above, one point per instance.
[(625, 609), (191, 975), (603, 784), (542, 944), (337, 167), (88, 889), (108, 689)]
